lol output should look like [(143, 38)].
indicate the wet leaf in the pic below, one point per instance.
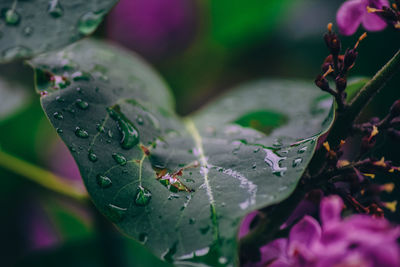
[(31, 27), (179, 185)]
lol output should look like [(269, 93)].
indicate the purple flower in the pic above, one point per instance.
[(358, 240), (352, 13), (154, 28)]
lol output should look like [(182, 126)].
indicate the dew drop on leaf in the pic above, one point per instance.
[(58, 115), (27, 31), (79, 132), (80, 76), (103, 181), (120, 159), (60, 131), (302, 150), (89, 21), (297, 162), (92, 156), (172, 196), (100, 128), (81, 104), (139, 120), (192, 221), (130, 135), (11, 16), (55, 9), (143, 196), (143, 238), (273, 160)]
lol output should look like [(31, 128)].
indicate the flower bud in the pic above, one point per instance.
[(333, 43), (341, 83), (350, 58), (322, 83)]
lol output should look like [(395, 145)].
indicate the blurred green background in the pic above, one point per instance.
[(201, 48)]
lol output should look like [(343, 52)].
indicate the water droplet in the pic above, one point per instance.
[(79, 132), (59, 99), (168, 255), (55, 9), (58, 115), (297, 162), (115, 213), (130, 135), (273, 160), (16, 52), (302, 150), (120, 159), (192, 221), (89, 21), (60, 131), (172, 196), (81, 104), (81, 76), (103, 181), (222, 260), (256, 150), (254, 166), (143, 238), (100, 128), (28, 31), (139, 120), (11, 16), (92, 156), (143, 196)]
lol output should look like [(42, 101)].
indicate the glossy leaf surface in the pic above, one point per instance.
[(29, 27), (179, 185)]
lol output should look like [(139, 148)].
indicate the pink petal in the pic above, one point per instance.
[(306, 232), (245, 226), (330, 210), (372, 22), (349, 16), (274, 251)]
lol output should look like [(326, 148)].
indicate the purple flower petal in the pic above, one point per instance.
[(245, 226), (304, 235), (350, 15), (308, 206), (330, 210), (372, 22)]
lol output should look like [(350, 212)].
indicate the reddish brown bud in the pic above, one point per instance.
[(333, 43), (341, 83), (350, 58), (322, 83)]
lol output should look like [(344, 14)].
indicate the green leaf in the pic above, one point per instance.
[(13, 97), (355, 85), (31, 27), (178, 185)]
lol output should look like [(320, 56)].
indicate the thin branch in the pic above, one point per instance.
[(345, 120), (40, 176)]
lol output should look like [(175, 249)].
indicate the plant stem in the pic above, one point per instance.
[(40, 176), (345, 120)]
